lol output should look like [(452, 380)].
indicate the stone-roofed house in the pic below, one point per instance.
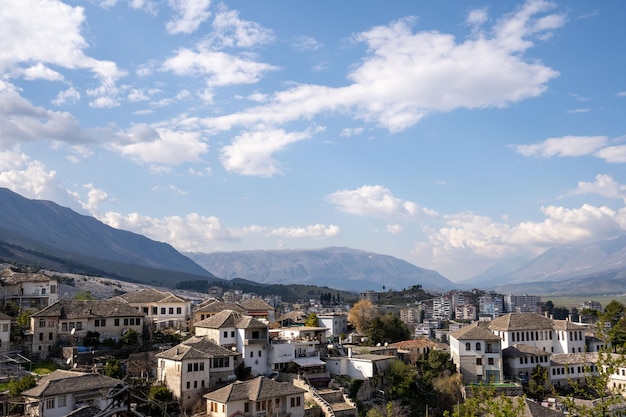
[(212, 307), (67, 322), (162, 308), (193, 367), (259, 309), (249, 336), (476, 352), (60, 392), (553, 336), (414, 350), (28, 290), (520, 359), (257, 397)]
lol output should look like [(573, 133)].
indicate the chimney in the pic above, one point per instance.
[(349, 352)]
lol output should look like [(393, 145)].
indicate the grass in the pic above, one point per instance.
[(44, 367)]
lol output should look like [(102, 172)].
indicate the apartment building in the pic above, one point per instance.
[(162, 309)]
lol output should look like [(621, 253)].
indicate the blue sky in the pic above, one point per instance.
[(454, 135)]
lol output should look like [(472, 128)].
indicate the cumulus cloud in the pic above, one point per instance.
[(251, 152), (406, 76), (566, 146), (69, 96), (95, 197), (376, 201), (307, 43), (314, 231), (190, 14), (604, 185), (231, 31), (613, 154)]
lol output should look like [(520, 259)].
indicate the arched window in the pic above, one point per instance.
[(477, 345), (468, 346)]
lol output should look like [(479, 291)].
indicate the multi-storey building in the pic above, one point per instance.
[(335, 323), (193, 367), (161, 308), (466, 312), (28, 290), (212, 307), (411, 316), (257, 397), (521, 303), (259, 309), (442, 307), (476, 352), (247, 335), (490, 306), (67, 322)]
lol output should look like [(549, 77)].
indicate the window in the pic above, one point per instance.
[(42, 323), (203, 383), (126, 322), (195, 367), (62, 400), (490, 361), (40, 336), (53, 289), (116, 322), (162, 310), (49, 336), (251, 354), (202, 366), (232, 333), (79, 325), (479, 361), (259, 353), (255, 334), (195, 384), (246, 407), (179, 310), (50, 403), (145, 310), (5, 327), (468, 346), (189, 367), (171, 310), (43, 291), (225, 333), (155, 311), (477, 345), (188, 384), (63, 327)]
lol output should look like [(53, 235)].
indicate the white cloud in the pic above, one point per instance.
[(311, 231), (477, 17), (394, 229), (95, 197), (574, 111), (406, 76), (621, 94), (190, 14), (604, 185), (69, 96), (351, 131), (613, 154), (230, 31), (40, 71), (376, 201), (251, 152), (566, 146), (160, 145), (307, 43)]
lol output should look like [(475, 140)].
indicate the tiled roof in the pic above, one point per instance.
[(473, 332), (568, 325), (69, 382), (150, 295), (414, 344), (4, 316), (573, 358), (196, 348), (11, 277), (522, 349), (69, 309), (230, 318), (255, 304), (521, 321), (216, 306), (260, 388)]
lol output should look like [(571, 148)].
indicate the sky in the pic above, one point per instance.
[(454, 135)]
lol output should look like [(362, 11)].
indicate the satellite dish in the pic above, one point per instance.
[(68, 361), (73, 331), (75, 365)]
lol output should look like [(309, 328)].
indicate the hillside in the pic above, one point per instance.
[(341, 268), (42, 233)]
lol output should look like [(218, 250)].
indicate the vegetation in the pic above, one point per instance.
[(113, 368), (44, 367), (387, 328), (83, 295), (17, 386), (311, 320), (361, 315)]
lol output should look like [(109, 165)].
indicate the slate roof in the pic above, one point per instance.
[(215, 306), (230, 318), (11, 277), (196, 348), (85, 411), (414, 344), (573, 358), (473, 332), (523, 350), (71, 309), (568, 325), (260, 388), (69, 382), (521, 321), (255, 304), (150, 295)]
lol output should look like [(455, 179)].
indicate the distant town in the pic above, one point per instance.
[(228, 352)]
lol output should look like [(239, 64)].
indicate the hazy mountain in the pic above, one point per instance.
[(42, 233), (334, 267)]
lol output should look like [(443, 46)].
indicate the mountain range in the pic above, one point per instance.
[(42, 233)]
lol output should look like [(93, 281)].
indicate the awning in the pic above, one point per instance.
[(308, 362)]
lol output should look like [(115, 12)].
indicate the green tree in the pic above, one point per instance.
[(311, 320), (113, 368), (17, 386), (130, 337), (539, 383), (387, 328), (83, 295), (402, 380), (23, 319), (484, 401)]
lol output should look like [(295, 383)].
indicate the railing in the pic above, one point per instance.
[(328, 409)]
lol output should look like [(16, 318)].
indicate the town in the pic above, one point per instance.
[(156, 352)]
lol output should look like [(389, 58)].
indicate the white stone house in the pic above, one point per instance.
[(247, 335), (259, 309), (336, 324), (520, 360), (162, 308), (5, 332), (476, 352), (259, 397), (60, 392), (193, 367), (67, 322), (28, 290), (367, 366)]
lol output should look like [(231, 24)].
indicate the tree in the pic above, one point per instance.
[(84, 295), (361, 314), (402, 380), (484, 401), (17, 386), (539, 383), (387, 328), (113, 368), (130, 337), (311, 320)]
